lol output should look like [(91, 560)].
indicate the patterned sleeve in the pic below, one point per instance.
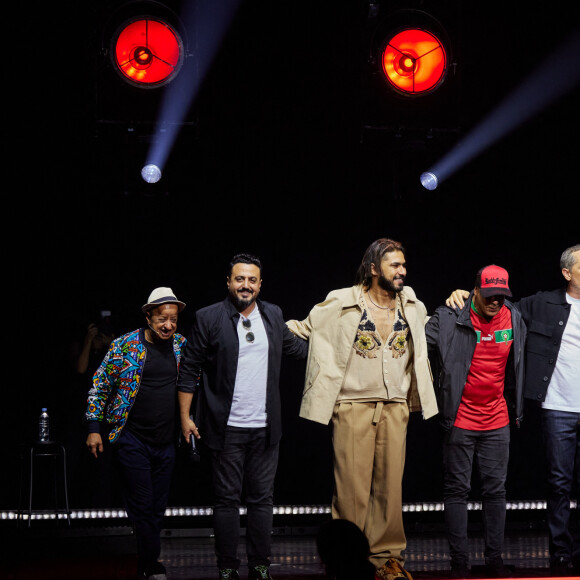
[(103, 385)]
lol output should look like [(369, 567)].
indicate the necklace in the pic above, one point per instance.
[(380, 307)]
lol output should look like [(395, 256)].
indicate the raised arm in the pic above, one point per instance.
[(457, 299)]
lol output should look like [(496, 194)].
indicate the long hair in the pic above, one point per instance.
[(374, 255)]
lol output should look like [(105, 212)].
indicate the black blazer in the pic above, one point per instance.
[(210, 360)]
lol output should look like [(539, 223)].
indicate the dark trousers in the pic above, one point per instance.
[(562, 444), (490, 449), (146, 471), (246, 468)]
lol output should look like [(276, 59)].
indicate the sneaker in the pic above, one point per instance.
[(153, 571), (229, 574), (259, 573), (560, 566), (459, 571), (391, 570), (497, 569)]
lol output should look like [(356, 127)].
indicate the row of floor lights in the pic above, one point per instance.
[(278, 510)]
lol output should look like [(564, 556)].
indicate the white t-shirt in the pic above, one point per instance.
[(249, 402), (564, 388)]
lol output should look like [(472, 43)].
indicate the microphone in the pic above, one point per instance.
[(194, 456), (193, 451), (155, 331)]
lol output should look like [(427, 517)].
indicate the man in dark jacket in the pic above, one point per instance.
[(553, 381), (479, 355), (237, 346)]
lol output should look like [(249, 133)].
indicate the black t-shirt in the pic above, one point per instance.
[(152, 417)]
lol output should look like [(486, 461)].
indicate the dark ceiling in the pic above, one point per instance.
[(275, 163)]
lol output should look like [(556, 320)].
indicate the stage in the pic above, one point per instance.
[(49, 552)]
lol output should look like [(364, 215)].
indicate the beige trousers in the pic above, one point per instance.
[(369, 458)]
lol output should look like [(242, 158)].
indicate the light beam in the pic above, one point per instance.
[(207, 22), (556, 76)]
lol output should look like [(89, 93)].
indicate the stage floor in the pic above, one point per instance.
[(108, 555), (426, 557)]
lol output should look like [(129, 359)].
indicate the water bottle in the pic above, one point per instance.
[(43, 435)]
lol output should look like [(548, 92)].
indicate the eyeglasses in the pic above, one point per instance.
[(247, 324)]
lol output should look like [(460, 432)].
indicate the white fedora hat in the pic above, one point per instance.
[(162, 295)]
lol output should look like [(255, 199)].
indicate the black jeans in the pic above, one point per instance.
[(146, 471), (245, 468), (561, 430), (490, 449)]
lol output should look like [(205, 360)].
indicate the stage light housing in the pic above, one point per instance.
[(410, 86), (147, 51), (414, 61)]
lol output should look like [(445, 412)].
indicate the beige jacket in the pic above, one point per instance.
[(331, 329)]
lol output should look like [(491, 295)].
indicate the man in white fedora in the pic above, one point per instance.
[(133, 399)]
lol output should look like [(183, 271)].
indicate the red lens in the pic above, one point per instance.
[(148, 52), (414, 61)]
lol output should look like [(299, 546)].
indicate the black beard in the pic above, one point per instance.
[(387, 285), (240, 303)]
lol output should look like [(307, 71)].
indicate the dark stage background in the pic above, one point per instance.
[(273, 164)]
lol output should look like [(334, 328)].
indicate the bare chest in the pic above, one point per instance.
[(383, 320)]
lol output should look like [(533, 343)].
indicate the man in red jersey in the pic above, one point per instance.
[(479, 358)]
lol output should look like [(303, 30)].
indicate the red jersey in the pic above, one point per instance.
[(483, 406)]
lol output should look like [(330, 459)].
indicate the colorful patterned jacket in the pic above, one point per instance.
[(116, 382)]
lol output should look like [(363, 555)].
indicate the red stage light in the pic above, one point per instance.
[(148, 52), (414, 61)]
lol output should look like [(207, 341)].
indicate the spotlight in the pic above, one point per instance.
[(410, 75), (414, 61), (429, 180), (151, 173), (148, 52)]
